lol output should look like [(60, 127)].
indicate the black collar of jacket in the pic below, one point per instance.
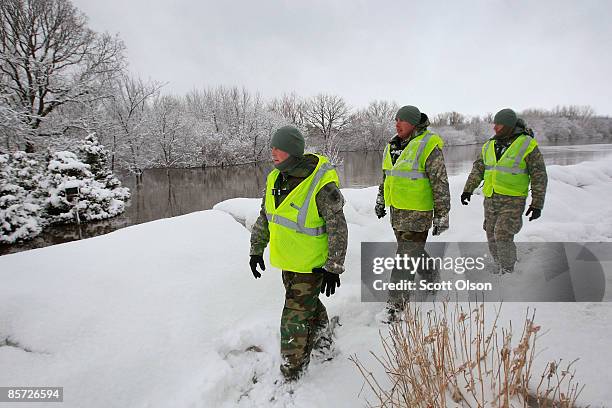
[(303, 166)]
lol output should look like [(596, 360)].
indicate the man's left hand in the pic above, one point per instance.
[(257, 260), (535, 213), (330, 281)]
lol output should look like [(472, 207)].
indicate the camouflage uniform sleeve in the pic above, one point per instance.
[(436, 172), (380, 198), (475, 176), (330, 203), (260, 234), (538, 176)]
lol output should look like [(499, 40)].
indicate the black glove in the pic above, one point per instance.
[(535, 213), (380, 211), (465, 197), (257, 260), (330, 281)]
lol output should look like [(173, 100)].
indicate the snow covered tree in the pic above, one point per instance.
[(95, 202), (168, 132), (230, 125), (49, 58), (479, 129), (26, 170), (327, 114), (12, 129), (96, 156), (373, 126), (20, 215), (291, 107), (453, 119), (129, 109)]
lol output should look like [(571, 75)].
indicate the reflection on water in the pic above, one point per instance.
[(168, 193)]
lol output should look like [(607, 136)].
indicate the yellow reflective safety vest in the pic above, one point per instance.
[(508, 175), (298, 241), (406, 184)]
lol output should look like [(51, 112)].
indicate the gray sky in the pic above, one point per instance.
[(472, 57)]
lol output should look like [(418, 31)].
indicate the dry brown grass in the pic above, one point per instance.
[(452, 358)]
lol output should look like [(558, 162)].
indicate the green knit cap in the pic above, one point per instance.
[(410, 114), (290, 140), (506, 117)]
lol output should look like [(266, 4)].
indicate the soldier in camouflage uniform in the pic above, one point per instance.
[(304, 322), (411, 227), (503, 213)]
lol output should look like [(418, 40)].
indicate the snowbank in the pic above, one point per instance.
[(159, 314)]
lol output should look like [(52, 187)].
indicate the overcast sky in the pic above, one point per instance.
[(472, 57)]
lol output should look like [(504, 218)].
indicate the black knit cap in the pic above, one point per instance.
[(289, 139), (506, 117), (410, 114)]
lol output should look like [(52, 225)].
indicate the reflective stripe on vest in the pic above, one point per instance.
[(300, 225), (280, 220), (413, 175)]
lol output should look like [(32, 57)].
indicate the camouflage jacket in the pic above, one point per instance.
[(329, 203), (535, 167), (435, 169)]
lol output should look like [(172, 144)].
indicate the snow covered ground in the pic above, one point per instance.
[(159, 314)]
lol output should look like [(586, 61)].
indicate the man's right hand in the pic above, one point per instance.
[(465, 197), (534, 212), (254, 262), (379, 208), (330, 281)]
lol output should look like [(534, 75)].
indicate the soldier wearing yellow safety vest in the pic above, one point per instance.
[(508, 163), (415, 187), (302, 220)]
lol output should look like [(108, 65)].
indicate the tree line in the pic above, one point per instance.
[(61, 81)]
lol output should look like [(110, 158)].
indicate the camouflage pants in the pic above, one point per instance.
[(503, 218), (411, 243), (304, 318)]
